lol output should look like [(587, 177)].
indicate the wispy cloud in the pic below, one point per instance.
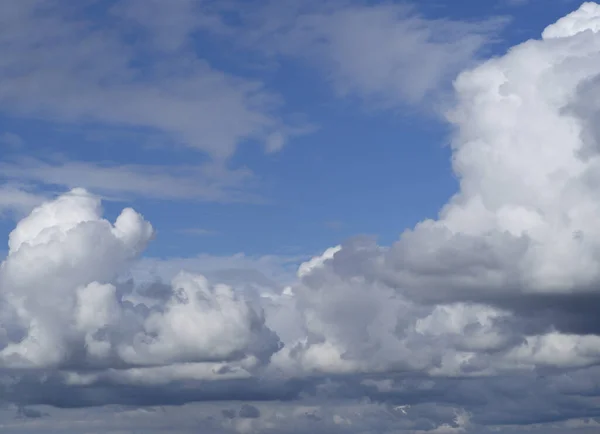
[(11, 140), (199, 232), (16, 200), (64, 67), (210, 182), (385, 53), (134, 67)]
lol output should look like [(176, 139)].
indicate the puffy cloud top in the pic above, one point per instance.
[(50, 219), (587, 17), (61, 306), (526, 153)]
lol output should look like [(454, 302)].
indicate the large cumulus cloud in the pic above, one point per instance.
[(506, 277), (488, 312), (63, 307), (512, 260)]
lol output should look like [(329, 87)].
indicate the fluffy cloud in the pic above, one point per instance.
[(521, 229), (58, 288), (482, 320), (525, 152)]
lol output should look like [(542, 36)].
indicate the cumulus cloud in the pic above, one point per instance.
[(521, 229), (480, 321), (522, 222), (58, 289), (587, 17)]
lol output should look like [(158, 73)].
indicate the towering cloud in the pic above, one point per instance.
[(519, 237), (55, 280)]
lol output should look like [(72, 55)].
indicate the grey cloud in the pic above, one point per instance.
[(335, 417), (248, 411), (30, 413), (228, 414)]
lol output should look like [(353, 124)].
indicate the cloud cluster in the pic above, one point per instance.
[(517, 241), (61, 307), (475, 322)]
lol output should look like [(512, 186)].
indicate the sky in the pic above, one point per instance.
[(294, 216)]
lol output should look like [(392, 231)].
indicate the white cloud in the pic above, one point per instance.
[(54, 253), (526, 186), (587, 17), (57, 281), (317, 261), (521, 227), (200, 322)]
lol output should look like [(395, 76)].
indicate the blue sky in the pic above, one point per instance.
[(355, 162)]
